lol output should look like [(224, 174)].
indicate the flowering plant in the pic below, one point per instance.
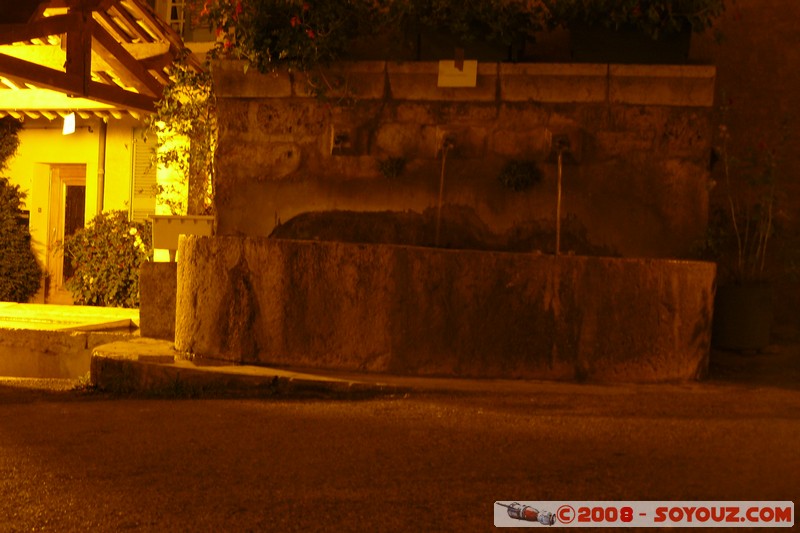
[(107, 255), (230, 20), (296, 33), (303, 34), (652, 17)]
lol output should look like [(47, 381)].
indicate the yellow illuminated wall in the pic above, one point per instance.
[(43, 145)]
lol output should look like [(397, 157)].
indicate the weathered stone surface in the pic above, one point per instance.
[(418, 81), (46, 354), (158, 287), (516, 143), (671, 85), (233, 78), (49, 354), (424, 311), (279, 157), (554, 82), (345, 80)]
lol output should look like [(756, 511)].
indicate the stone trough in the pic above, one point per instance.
[(425, 311)]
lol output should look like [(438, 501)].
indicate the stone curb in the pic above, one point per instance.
[(152, 367)]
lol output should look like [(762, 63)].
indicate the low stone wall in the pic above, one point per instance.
[(423, 311), (30, 353)]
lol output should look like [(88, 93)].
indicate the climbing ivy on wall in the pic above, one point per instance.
[(185, 123)]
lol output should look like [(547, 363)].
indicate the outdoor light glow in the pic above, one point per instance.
[(69, 124)]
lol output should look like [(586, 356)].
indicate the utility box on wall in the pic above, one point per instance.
[(167, 230)]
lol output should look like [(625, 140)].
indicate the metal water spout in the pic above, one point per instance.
[(448, 143), (561, 145)]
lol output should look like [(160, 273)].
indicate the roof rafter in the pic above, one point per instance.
[(14, 33), (114, 52), (127, 67), (73, 84)]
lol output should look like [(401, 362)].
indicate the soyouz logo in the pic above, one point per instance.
[(644, 514)]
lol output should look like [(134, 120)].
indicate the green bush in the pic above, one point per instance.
[(20, 273), (107, 255)]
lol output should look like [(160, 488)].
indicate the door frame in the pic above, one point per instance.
[(57, 206)]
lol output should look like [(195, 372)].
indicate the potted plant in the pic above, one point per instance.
[(741, 231), (632, 31)]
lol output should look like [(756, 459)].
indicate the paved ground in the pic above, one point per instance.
[(433, 459)]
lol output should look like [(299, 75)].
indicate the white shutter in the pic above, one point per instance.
[(144, 184)]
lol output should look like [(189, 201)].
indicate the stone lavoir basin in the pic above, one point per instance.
[(426, 311)]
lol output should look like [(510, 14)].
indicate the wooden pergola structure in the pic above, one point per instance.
[(102, 57)]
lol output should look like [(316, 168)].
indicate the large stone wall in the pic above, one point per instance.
[(425, 311), (637, 178)]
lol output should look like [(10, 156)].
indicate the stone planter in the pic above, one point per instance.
[(597, 44), (742, 316)]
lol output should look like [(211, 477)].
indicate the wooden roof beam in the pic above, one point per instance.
[(111, 26), (72, 84), (14, 33), (130, 23), (126, 66), (121, 98), (40, 76), (79, 49), (148, 16)]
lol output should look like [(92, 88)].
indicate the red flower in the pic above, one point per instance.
[(294, 21), (310, 33), (306, 6)]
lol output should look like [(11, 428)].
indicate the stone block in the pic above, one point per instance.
[(465, 113), (553, 82), (235, 79), (258, 161), (619, 144), (50, 354), (290, 120), (418, 81), (467, 141), (344, 81), (416, 112), (668, 85), (518, 144), (422, 311), (158, 286)]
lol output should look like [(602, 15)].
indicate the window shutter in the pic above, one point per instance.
[(144, 187)]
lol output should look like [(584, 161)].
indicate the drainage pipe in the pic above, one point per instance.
[(101, 165)]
